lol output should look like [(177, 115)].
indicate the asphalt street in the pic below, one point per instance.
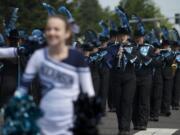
[(165, 126)]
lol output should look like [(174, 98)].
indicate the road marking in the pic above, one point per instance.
[(157, 131)]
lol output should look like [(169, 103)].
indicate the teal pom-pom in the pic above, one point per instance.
[(20, 117)]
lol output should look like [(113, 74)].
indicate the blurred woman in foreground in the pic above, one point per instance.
[(62, 73)]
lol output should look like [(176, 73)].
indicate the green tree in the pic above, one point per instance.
[(31, 13), (144, 9), (89, 14)]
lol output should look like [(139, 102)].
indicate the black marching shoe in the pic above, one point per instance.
[(175, 108), (155, 119), (112, 110), (166, 114), (124, 133), (140, 127), (103, 114)]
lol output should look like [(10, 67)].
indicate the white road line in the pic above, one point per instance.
[(157, 131)]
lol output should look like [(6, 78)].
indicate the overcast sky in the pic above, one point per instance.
[(168, 7)]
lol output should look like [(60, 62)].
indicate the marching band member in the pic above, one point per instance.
[(9, 72), (135, 76), (111, 95), (176, 88), (157, 87), (92, 46), (141, 108), (124, 57), (167, 72), (103, 67)]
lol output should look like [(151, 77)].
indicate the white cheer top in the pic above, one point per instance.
[(61, 82)]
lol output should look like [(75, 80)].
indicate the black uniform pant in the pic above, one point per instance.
[(111, 92), (176, 89), (104, 86), (96, 81), (125, 87), (8, 87), (35, 91), (167, 90), (141, 108), (156, 94)]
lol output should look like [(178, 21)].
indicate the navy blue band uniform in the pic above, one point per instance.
[(137, 74), (143, 85)]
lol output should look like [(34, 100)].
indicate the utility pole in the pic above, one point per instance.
[(176, 17)]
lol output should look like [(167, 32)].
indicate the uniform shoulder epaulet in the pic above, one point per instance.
[(149, 45), (129, 43)]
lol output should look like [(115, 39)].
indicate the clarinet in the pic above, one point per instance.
[(119, 57), (1, 66)]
